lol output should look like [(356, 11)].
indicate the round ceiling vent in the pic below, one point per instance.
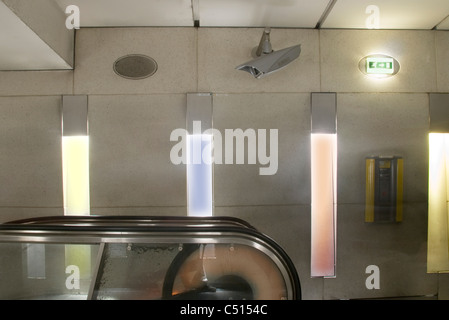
[(135, 66)]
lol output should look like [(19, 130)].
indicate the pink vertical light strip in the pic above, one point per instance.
[(324, 200)]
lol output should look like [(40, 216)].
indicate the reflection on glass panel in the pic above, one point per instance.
[(35, 260), (78, 267), (136, 258), (39, 271), (224, 271), (133, 271), (189, 271)]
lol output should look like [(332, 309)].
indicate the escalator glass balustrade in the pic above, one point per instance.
[(142, 258)]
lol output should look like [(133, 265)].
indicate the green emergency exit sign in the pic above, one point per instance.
[(377, 65)]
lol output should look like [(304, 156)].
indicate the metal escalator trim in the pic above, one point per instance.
[(95, 277)]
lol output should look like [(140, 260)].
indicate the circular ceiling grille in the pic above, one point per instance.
[(135, 66)]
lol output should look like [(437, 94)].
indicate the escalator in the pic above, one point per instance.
[(142, 258)]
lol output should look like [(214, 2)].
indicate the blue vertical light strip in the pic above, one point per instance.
[(199, 158), (199, 175)]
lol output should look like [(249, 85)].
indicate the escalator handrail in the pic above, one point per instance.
[(101, 226), (94, 220)]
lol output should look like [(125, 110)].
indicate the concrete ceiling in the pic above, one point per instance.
[(394, 14), (33, 35)]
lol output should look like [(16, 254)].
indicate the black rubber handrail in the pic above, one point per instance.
[(97, 220)]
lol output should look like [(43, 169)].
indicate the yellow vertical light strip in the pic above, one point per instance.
[(324, 200), (75, 165), (400, 189), (75, 159), (438, 240), (76, 193), (446, 216), (370, 187)]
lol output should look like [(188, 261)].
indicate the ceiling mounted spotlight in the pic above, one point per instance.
[(268, 61)]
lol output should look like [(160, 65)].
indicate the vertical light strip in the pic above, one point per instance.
[(76, 175), (323, 185), (438, 193), (199, 156), (199, 175), (438, 239), (75, 166), (75, 156), (324, 200)]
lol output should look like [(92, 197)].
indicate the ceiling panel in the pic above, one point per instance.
[(393, 14), (132, 13), (444, 25), (22, 49), (261, 13)]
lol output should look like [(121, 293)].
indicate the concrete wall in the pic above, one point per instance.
[(131, 121)]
